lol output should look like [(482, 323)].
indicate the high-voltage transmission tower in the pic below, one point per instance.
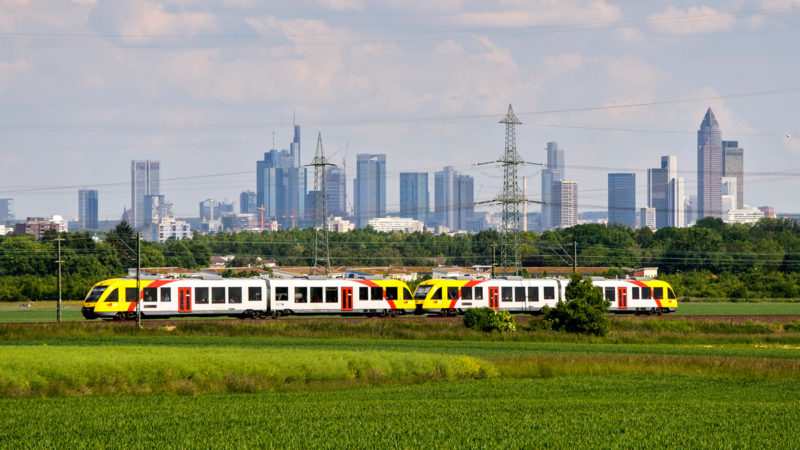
[(321, 250), (511, 197)]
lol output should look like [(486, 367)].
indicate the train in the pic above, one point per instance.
[(453, 296), (117, 298)]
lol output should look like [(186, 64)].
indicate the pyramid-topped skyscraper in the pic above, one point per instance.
[(709, 167)]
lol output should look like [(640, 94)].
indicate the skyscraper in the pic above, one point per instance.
[(565, 203), (464, 195), (552, 173), (247, 203), (336, 186), (709, 168), (733, 166), (87, 209), (443, 201), (144, 181), (414, 195), (665, 193), (281, 185), (622, 199), (369, 187), (6, 210)]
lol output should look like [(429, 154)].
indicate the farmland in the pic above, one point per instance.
[(367, 383)]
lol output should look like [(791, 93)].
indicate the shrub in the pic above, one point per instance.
[(583, 312), (488, 319)]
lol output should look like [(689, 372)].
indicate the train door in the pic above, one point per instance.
[(622, 298), (494, 297), (185, 300), (347, 299)]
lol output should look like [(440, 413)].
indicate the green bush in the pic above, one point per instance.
[(488, 319), (583, 312)]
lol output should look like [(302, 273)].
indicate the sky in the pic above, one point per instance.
[(207, 86)]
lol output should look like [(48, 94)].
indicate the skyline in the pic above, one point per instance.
[(187, 82)]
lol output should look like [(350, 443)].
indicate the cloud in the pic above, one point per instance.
[(342, 5), (562, 62), (633, 72), (139, 21), (448, 48), (695, 20), (543, 12)]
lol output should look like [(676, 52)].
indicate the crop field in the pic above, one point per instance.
[(738, 308), (389, 383)]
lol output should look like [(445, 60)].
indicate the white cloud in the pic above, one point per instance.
[(448, 48), (544, 12), (342, 5), (563, 62), (629, 35), (695, 20), (633, 72)]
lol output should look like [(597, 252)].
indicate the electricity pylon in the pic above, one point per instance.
[(511, 197), (321, 249)]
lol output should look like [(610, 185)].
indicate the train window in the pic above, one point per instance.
[(634, 293), (149, 294), (658, 293), (466, 293), (316, 294), (165, 294), (234, 295), (437, 294), (452, 293), (201, 295), (254, 294), (670, 294), (331, 294), (113, 296), (217, 295), (96, 293), (408, 294), (301, 295), (363, 293), (478, 293), (281, 294), (377, 293), (507, 292), (422, 292), (391, 293), (610, 294), (519, 293), (646, 293), (549, 292), (131, 295)]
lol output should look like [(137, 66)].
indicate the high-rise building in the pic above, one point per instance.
[(665, 193), (733, 166), (454, 198), (647, 218), (565, 203), (87, 209), (145, 180), (729, 190), (414, 195), (552, 173), (6, 210), (622, 199), (213, 210), (336, 186), (443, 201), (369, 187), (281, 185), (247, 203), (464, 196), (709, 168), (156, 209)]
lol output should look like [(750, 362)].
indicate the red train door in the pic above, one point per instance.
[(494, 297), (347, 299), (622, 298), (185, 300)]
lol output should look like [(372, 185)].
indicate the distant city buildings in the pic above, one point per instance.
[(392, 224), (6, 210), (622, 199), (336, 195), (647, 218), (554, 172), (768, 211), (709, 168), (414, 195), (87, 209), (665, 193), (38, 226), (733, 166), (369, 187), (145, 180), (248, 203), (454, 199), (282, 185), (565, 203)]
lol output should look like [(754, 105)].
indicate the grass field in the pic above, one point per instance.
[(566, 412)]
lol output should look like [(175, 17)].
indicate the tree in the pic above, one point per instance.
[(584, 310)]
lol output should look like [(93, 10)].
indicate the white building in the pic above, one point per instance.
[(4, 230), (170, 228), (391, 224), (647, 218), (340, 225), (748, 214)]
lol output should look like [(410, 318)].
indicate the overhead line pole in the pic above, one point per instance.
[(138, 280), (59, 261)]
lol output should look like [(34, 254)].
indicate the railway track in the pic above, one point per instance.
[(428, 319)]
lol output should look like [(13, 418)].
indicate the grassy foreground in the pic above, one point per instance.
[(631, 411)]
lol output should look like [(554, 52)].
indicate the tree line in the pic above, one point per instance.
[(710, 259)]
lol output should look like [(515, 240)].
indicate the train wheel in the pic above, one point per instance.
[(383, 313), (119, 316), (276, 314), (393, 313)]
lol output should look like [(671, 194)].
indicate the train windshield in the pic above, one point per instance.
[(96, 293), (422, 292)]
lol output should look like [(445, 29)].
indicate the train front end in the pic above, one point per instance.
[(105, 302)]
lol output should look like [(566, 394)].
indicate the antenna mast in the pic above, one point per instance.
[(511, 196), (321, 250)]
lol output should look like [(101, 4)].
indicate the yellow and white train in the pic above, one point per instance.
[(256, 298), (452, 296)]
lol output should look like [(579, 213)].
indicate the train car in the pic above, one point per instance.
[(518, 295), (256, 298)]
